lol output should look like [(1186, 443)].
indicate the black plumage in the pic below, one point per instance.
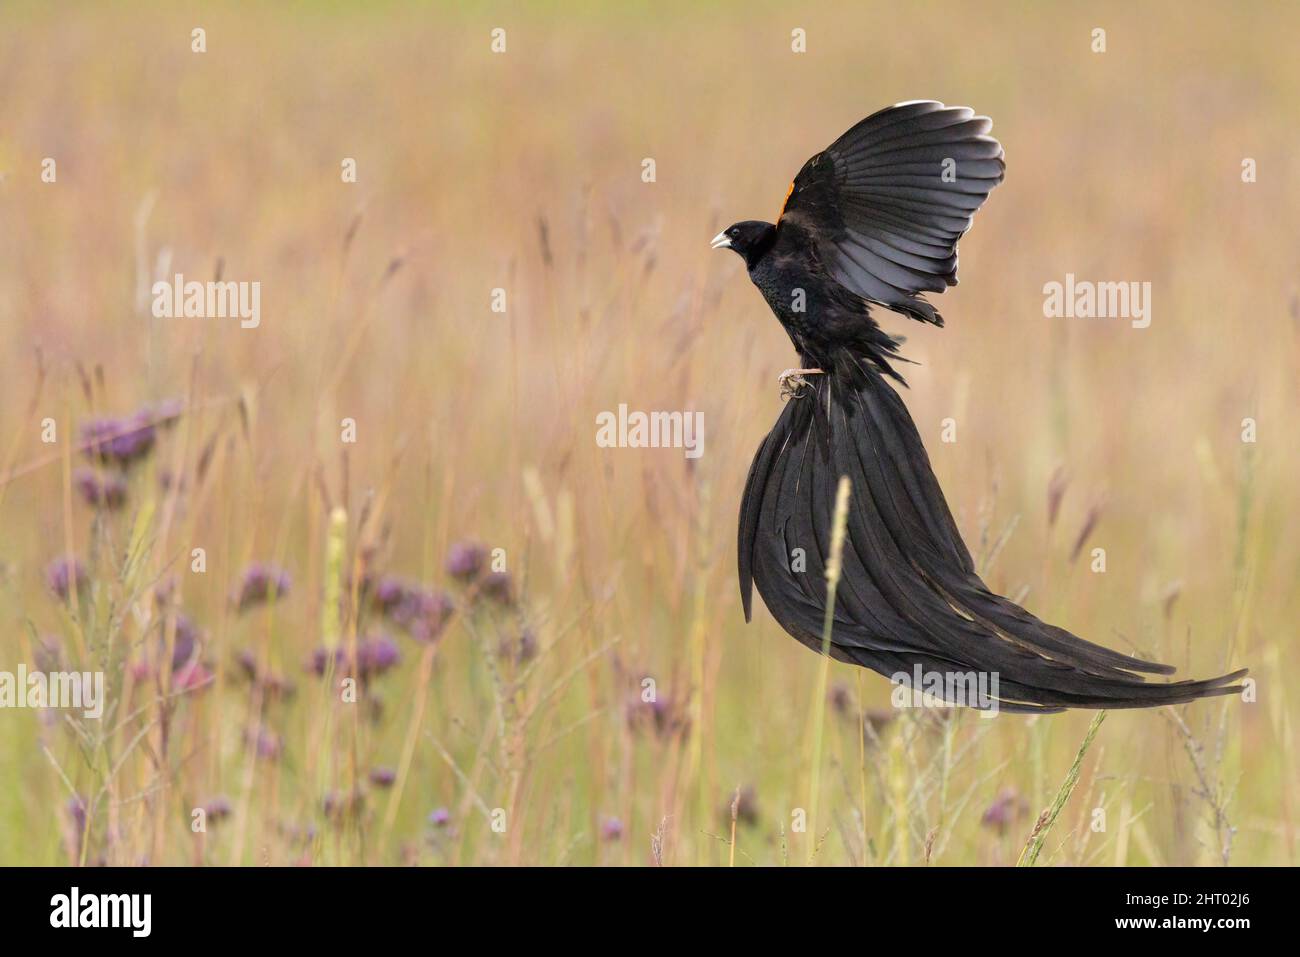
[(875, 219)]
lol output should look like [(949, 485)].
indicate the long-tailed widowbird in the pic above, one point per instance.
[(874, 219)]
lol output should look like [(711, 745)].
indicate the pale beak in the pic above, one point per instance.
[(721, 241)]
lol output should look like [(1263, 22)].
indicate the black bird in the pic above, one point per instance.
[(874, 220)]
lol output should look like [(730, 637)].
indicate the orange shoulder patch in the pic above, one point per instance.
[(785, 202)]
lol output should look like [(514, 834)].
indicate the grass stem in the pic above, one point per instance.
[(834, 563)]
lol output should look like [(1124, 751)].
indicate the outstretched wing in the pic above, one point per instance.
[(885, 204)]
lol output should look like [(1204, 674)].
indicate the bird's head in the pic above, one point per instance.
[(750, 239)]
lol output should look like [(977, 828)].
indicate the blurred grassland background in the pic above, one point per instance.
[(523, 171)]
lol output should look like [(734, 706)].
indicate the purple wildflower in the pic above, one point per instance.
[(522, 649), (840, 698), (339, 806), (611, 829), (76, 811), (440, 817), (261, 582), (113, 490), (465, 561), (88, 487), (63, 576), (498, 587), (1007, 808), (388, 593), (218, 809), (119, 442), (265, 743), (167, 412), (423, 614), (74, 830), (320, 659), (184, 642), (192, 676), (382, 777), (378, 655), (374, 656)]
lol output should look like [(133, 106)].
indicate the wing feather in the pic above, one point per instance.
[(886, 203)]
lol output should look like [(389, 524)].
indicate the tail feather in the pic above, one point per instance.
[(909, 594)]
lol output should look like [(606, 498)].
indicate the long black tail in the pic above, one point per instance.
[(909, 594)]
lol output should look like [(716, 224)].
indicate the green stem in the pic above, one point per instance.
[(1034, 846), (833, 567)]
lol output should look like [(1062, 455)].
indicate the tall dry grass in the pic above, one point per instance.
[(522, 171)]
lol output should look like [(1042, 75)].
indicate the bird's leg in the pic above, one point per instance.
[(792, 381)]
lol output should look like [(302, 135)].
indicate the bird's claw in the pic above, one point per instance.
[(792, 381)]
